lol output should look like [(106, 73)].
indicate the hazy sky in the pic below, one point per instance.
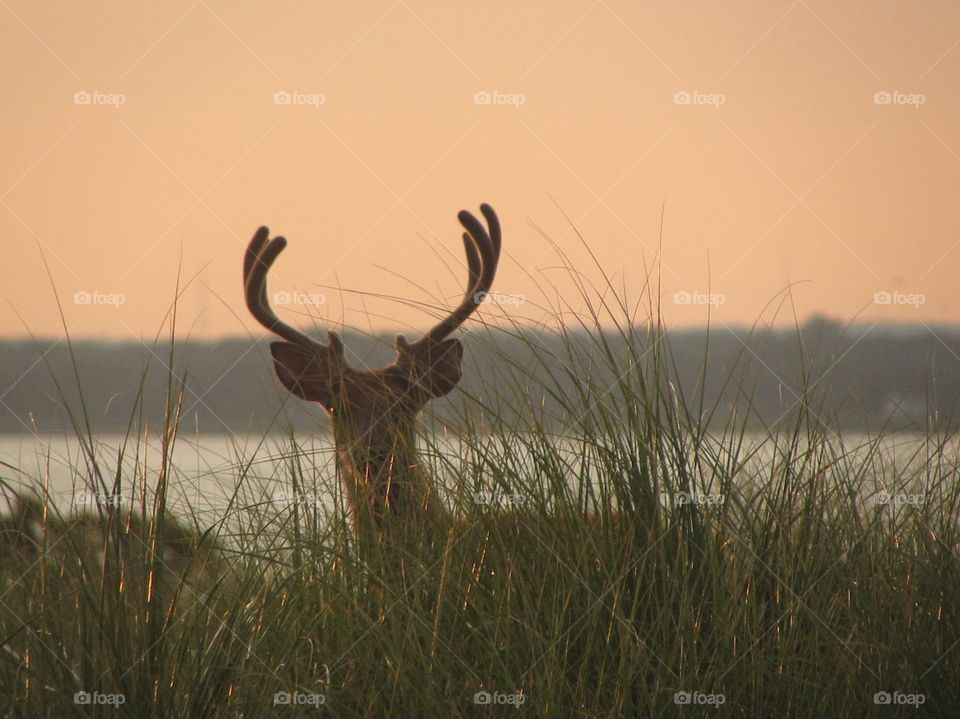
[(785, 142)]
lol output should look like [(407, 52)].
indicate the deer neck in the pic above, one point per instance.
[(382, 477)]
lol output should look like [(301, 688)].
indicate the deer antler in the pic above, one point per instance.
[(483, 255), (260, 256)]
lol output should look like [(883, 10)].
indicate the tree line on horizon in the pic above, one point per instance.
[(905, 378)]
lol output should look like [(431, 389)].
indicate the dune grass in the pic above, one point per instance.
[(641, 555)]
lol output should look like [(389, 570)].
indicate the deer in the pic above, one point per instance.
[(374, 412)]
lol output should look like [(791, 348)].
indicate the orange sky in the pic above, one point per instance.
[(139, 138)]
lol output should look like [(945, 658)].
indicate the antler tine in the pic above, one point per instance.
[(474, 263), (483, 254), (253, 251), (493, 222), (261, 253)]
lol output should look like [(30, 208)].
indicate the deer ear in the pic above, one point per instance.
[(434, 367), (307, 372)]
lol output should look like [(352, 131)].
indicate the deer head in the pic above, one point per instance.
[(374, 412)]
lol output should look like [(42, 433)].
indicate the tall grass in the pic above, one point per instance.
[(642, 554)]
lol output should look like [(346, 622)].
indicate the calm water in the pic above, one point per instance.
[(208, 473), (211, 475)]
